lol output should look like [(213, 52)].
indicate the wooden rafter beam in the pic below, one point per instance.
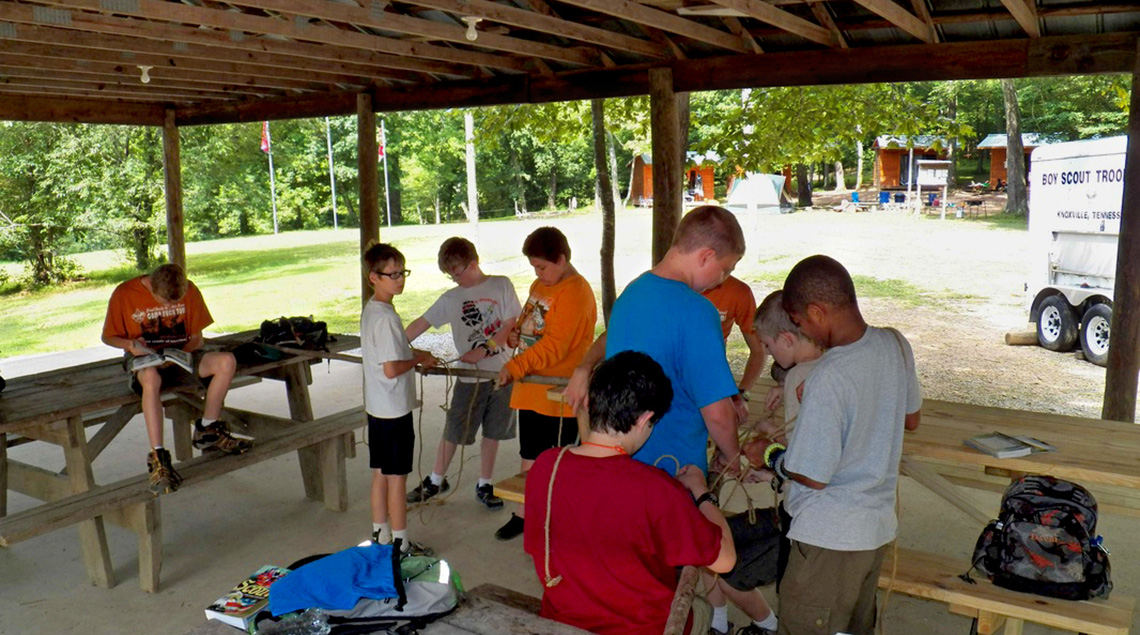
[(430, 29), (111, 89), (665, 21), (218, 44), (543, 22), (1025, 12), (821, 12), (40, 105), (779, 18), (739, 31), (162, 11), (923, 13), (119, 75), (899, 17)]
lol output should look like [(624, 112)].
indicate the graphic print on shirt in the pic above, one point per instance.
[(532, 322), (163, 326), (482, 316)]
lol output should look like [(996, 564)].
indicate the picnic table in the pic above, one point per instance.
[(58, 407)]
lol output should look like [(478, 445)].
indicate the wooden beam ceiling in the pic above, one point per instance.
[(899, 17), (641, 14), (779, 18), (1025, 12)]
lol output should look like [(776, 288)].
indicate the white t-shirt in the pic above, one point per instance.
[(477, 314), (382, 340), (849, 435)]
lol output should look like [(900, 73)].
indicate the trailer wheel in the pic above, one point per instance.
[(1057, 325), (1095, 332)]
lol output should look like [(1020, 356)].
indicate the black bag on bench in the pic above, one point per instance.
[(1044, 541), (296, 332)]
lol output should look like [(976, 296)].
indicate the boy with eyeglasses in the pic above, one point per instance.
[(389, 396), (482, 310)]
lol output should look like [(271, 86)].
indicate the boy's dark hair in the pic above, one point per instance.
[(624, 387), (456, 252), (771, 318), (169, 282), (547, 243), (818, 279), (709, 226), (379, 255)]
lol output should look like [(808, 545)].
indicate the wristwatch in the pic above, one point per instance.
[(708, 496), (745, 395)]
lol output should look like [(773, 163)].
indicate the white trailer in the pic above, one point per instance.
[(1076, 193)]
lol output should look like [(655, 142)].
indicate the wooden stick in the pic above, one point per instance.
[(490, 374), (682, 601), (1021, 338), (300, 352)]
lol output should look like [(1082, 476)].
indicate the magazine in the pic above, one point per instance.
[(239, 607), (1004, 446), (176, 356)]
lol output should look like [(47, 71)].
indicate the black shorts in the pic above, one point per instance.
[(538, 433), (173, 376), (391, 444), (757, 549)]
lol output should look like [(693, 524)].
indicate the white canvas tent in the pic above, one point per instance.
[(756, 192)]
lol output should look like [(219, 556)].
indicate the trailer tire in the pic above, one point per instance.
[(1056, 324), (1095, 331)]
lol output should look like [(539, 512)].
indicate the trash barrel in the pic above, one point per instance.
[(930, 198), (900, 197), (884, 198), (854, 197)]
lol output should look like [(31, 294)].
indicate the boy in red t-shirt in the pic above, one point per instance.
[(165, 310), (609, 539)]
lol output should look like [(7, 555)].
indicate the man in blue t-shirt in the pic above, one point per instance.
[(663, 315)]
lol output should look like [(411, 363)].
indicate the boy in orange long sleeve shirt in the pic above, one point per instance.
[(552, 335)]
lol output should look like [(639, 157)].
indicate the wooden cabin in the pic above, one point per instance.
[(893, 156), (699, 174), (996, 144)]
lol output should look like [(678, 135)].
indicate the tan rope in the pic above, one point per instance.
[(549, 581)]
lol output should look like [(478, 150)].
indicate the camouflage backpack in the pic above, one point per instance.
[(1044, 541)]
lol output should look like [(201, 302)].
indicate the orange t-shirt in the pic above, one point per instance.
[(556, 328), (734, 301), (134, 312)]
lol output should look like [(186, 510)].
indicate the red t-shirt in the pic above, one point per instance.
[(619, 530), (734, 301), (134, 312)]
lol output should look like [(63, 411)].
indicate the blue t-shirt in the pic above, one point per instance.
[(680, 330)]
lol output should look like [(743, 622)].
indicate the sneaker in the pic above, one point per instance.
[(713, 631), (486, 495), (753, 629), (513, 529), (427, 489), (414, 548), (216, 437), (163, 478)]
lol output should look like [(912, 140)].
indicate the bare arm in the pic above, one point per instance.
[(912, 420), (134, 347), (398, 367), (577, 389), (694, 480), (720, 419), (193, 344), (757, 355), (416, 328)]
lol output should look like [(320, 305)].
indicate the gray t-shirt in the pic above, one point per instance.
[(849, 435), (382, 340), (476, 315)]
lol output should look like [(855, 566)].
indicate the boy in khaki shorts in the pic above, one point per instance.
[(482, 310)]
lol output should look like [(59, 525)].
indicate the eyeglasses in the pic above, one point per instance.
[(455, 276), (396, 275)]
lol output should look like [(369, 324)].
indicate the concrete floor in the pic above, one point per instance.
[(218, 532)]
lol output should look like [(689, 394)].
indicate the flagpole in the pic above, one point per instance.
[(387, 195), (332, 175), (272, 183)]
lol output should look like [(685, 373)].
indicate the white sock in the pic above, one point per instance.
[(483, 481), (385, 530), (436, 479), (402, 535), (769, 622), (720, 618), (206, 422), (158, 447)]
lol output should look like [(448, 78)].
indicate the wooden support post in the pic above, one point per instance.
[(145, 519), (3, 475), (172, 169), (334, 478), (182, 424), (92, 534), (1124, 353), (666, 132), (301, 409), (368, 175)]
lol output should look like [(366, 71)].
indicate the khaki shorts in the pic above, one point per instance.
[(488, 408), (826, 591)]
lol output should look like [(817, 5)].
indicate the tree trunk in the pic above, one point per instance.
[(840, 179), (632, 174), (552, 193), (859, 165), (472, 188), (1018, 202), (683, 120), (803, 185), (952, 176), (519, 193), (437, 210), (394, 183), (615, 187), (606, 194)]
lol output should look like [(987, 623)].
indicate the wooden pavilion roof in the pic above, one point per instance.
[(246, 60)]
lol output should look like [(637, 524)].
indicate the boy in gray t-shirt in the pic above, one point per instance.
[(843, 457), (481, 310)]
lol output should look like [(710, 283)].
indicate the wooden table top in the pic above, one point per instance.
[(54, 395)]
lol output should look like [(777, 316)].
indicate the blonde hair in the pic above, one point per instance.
[(169, 282), (712, 227), (456, 252), (771, 318)]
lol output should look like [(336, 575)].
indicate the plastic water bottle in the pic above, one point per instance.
[(309, 622)]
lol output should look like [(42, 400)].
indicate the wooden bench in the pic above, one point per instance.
[(934, 577), (130, 503)]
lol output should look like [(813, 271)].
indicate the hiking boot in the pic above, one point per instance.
[(216, 437), (511, 530), (427, 489), (486, 495), (163, 478), (753, 629), (413, 548)]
